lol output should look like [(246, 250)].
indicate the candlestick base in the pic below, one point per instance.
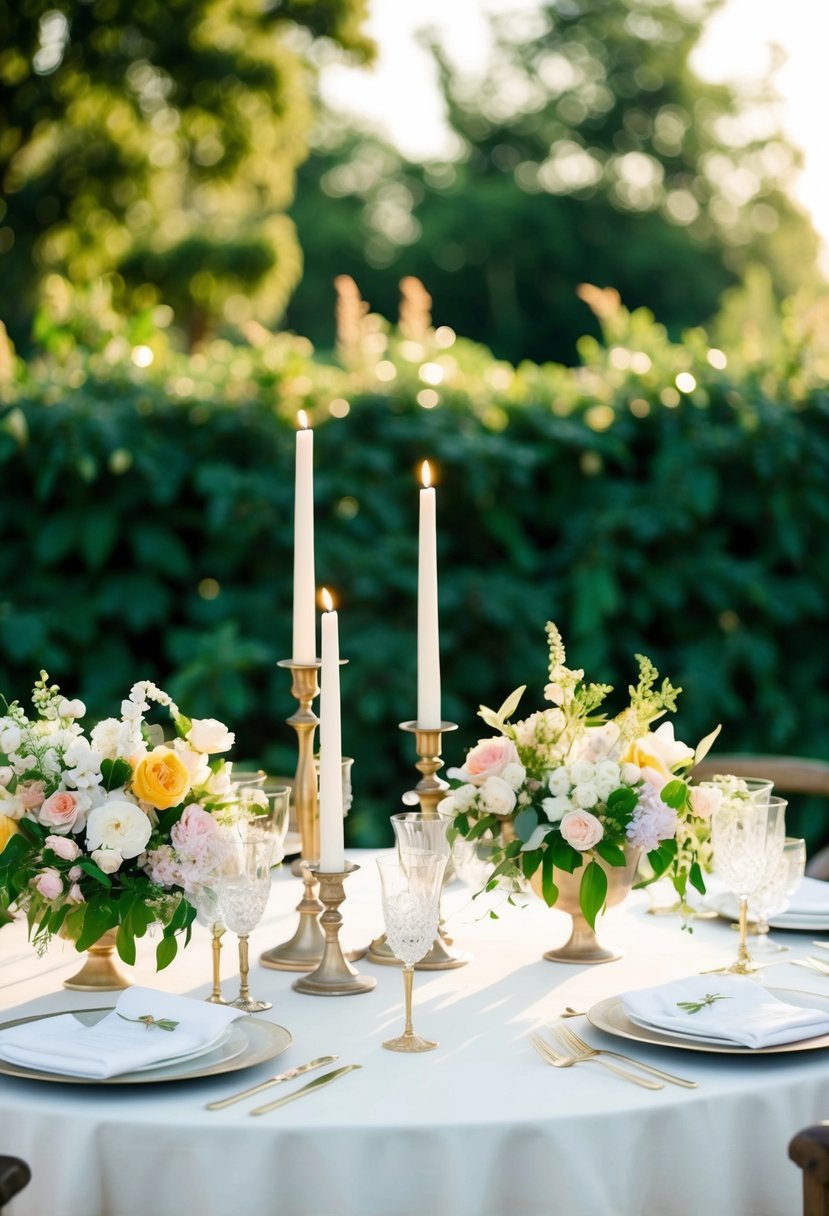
[(303, 951), (334, 976), (430, 791)]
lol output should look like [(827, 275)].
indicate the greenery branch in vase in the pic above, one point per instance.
[(566, 789), (110, 832)]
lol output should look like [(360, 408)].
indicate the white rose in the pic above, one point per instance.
[(118, 825), (10, 738), (705, 799), (585, 795), (514, 775), (108, 860), (497, 797), (196, 763), (608, 770), (631, 774), (210, 736), (582, 771), (558, 783), (555, 808)]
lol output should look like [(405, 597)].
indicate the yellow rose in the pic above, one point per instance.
[(8, 828), (161, 779)]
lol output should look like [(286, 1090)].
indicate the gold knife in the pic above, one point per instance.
[(317, 1083), (283, 1076)]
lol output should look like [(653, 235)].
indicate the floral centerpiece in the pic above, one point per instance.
[(565, 788), (109, 831)]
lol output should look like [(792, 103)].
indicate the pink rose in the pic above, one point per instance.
[(705, 799), (49, 884), (66, 849), (195, 822), (31, 793), (61, 811), (581, 830), (488, 759), (74, 873), (74, 895)]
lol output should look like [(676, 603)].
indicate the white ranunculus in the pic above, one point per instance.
[(108, 860), (631, 774), (585, 795), (118, 825), (558, 783), (497, 797), (464, 796), (514, 775), (582, 771), (210, 736), (608, 770), (555, 808)]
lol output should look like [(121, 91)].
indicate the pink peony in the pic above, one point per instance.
[(581, 830), (49, 884), (62, 811), (195, 822), (66, 849), (488, 759)]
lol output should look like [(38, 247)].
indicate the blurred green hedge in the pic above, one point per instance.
[(661, 498)]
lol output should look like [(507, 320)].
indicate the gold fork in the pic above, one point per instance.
[(551, 1056), (572, 1042)]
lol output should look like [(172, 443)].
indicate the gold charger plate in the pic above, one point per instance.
[(609, 1015), (251, 1041)]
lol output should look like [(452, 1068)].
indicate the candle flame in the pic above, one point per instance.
[(325, 595), (426, 475), (303, 420)]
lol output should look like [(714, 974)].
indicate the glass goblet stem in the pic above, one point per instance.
[(217, 932), (408, 978), (744, 964)]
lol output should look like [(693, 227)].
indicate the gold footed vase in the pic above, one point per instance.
[(583, 946), (100, 972)]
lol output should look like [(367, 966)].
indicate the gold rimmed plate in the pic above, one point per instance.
[(251, 1041), (609, 1015)]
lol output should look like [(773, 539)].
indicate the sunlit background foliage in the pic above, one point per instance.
[(600, 320)]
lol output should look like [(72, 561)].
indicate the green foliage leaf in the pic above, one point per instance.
[(696, 878), (622, 802), (525, 823), (89, 867), (565, 857), (592, 892), (165, 952), (115, 773), (674, 794), (611, 853), (125, 943), (548, 887)]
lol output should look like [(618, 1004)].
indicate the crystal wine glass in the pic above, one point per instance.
[(411, 896), (258, 842), (748, 837), (773, 895)]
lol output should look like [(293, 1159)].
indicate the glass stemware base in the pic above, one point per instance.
[(408, 1041)]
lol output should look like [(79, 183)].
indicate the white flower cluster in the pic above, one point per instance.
[(583, 784)]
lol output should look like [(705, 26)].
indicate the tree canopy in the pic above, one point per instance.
[(157, 141), (589, 151)]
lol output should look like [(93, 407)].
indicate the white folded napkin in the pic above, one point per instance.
[(120, 1042), (810, 898), (733, 1009)]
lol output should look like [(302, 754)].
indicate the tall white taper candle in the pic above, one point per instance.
[(428, 648), (332, 857), (305, 634)]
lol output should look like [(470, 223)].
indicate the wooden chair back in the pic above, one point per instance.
[(810, 1151)]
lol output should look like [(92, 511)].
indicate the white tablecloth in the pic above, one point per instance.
[(480, 1127)]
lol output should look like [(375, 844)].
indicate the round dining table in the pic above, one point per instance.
[(480, 1126)]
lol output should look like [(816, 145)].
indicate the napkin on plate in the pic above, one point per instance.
[(810, 898), (119, 1042), (733, 1010)]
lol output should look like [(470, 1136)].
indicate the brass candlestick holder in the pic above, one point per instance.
[(430, 790), (334, 976), (303, 951)]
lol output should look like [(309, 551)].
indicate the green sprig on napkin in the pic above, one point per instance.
[(147, 1020), (695, 1006)]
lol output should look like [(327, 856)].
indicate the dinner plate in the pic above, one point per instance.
[(725, 906), (250, 1041), (609, 1015)]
